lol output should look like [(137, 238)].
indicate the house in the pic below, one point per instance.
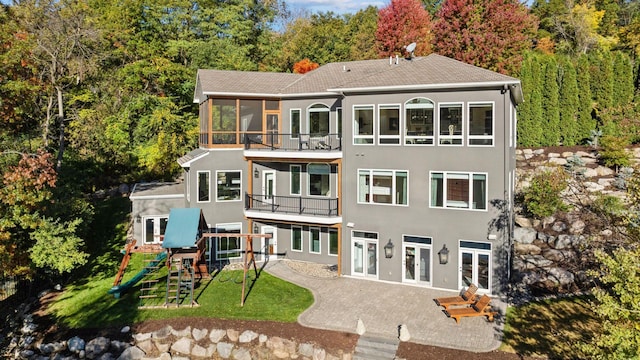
[(397, 170)]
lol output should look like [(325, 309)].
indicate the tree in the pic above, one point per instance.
[(568, 103), (551, 108), (586, 122), (304, 66), (491, 34), (401, 23), (56, 246), (623, 88), (530, 128), (361, 29)]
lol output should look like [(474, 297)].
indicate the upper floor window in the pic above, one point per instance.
[(204, 193), (294, 171), (363, 124), (319, 120), (339, 118), (451, 131), (229, 185), (223, 121), (419, 124), (481, 124), (383, 187), (319, 179), (459, 190), (295, 123), (389, 124)]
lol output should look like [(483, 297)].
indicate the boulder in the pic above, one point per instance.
[(577, 227), (560, 276), (182, 346), (527, 249), (199, 351), (75, 344), (199, 334), (565, 241), (319, 354), (604, 171), (132, 353), (524, 235), (247, 336), (163, 333), (556, 255), (241, 354), (523, 222), (233, 335), (559, 226), (224, 349), (147, 346), (404, 333), (589, 173), (181, 333), (305, 349), (96, 347), (558, 161), (216, 335)]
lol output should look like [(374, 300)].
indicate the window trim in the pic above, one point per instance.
[(462, 121), (291, 166), (491, 137), (399, 125), (292, 134), (311, 109), (444, 190), (208, 172), (333, 230), (309, 181), (311, 240), (355, 135), (301, 238), (217, 239), (226, 171), (156, 224), (393, 187)]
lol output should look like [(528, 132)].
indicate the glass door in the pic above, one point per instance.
[(269, 247), (364, 254), (417, 264), (475, 265), (268, 185)]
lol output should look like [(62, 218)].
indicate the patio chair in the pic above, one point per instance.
[(479, 308), (468, 297)]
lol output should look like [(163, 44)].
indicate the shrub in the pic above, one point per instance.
[(613, 152), (543, 197)]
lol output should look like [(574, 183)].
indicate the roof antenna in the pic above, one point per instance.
[(410, 49)]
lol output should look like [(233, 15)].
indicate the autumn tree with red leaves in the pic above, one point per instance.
[(401, 23), (487, 33), (304, 66)]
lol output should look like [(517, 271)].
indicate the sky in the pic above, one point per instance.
[(337, 6)]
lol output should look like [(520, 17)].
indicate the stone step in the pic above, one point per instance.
[(372, 348)]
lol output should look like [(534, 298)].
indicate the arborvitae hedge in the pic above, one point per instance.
[(550, 108), (568, 103)]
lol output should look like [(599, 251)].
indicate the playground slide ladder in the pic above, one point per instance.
[(125, 262), (180, 282), (149, 285)]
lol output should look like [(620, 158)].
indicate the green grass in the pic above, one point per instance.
[(85, 302), (550, 328)]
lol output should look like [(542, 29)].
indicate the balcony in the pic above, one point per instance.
[(274, 144), (293, 208)]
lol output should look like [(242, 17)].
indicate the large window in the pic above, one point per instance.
[(229, 185), (228, 247), (319, 179), (204, 193), (296, 238), (389, 124), (223, 121), (363, 124), (419, 122), (295, 123), (319, 120), (383, 187), (314, 240), (459, 190), (481, 124), (450, 124), (333, 242), (294, 171)]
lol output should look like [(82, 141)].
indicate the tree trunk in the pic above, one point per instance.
[(61, 139)]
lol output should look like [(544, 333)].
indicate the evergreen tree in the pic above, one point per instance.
[(568, 103), (601, 70), (530, 128), (623, 86), (586, 122), (550, 108)]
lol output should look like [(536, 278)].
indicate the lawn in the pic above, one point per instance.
[(551, 328), (85, 303)]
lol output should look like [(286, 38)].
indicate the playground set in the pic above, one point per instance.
[(182, 252)]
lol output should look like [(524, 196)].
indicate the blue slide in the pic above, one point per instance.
[(118, 290)]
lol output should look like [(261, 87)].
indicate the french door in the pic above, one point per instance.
[(364, 254), (475, 265), (269, 246), (268, 185), (417, 264)]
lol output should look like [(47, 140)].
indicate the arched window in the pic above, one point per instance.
[(419, 124), (319, 120)]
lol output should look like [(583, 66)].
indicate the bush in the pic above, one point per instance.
[(543, 197), (613, 152)]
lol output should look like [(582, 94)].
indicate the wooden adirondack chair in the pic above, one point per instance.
[(468, 297), (479, 308)]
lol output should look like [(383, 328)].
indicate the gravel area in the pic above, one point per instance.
[(302, 267)]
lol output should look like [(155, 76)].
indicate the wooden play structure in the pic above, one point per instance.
[(183, 253)]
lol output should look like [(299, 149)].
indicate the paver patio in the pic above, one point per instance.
[(383, 307)]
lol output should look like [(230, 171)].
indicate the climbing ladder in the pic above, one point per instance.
[(180, 282), (125, 262), (150, 292)]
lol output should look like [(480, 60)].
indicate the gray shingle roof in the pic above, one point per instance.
[(157, 189), (185, 160), (431, 71)]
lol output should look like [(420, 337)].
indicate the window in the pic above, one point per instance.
[(154, 229), (389, 124), (333, 242), (294, 171), (459, 190), (450, 124), (383, 187), (318, 120), (363, 124), (419, 122), (223, 121), (229, 185), (295, 123), (319, 184), (204, 194), (296, 238), (314, 240), (228, 247), (481, 124), (339, 118)]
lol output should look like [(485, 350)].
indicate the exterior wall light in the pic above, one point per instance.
[(443, 255), (388, 250), (138, 218), (256, 173), (256, 228)]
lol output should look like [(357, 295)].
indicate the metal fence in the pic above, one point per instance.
[(14, 287)]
